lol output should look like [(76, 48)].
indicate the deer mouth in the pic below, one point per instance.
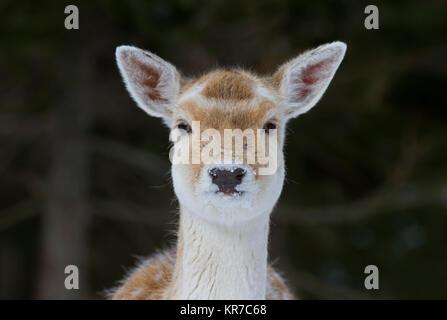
[(232, 192)]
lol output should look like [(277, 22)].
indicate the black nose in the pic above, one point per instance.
[(227, 178)]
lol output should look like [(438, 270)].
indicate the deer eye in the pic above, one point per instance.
[(269, 126), (184, 126)]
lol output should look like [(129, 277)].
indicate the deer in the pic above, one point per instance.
[(221, 250)]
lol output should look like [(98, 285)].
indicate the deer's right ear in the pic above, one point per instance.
[(152, 82)]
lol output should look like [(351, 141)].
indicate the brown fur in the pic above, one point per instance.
[(236, 115), (276, 79), (228, 85)]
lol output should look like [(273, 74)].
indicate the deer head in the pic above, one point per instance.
[(236, 101)]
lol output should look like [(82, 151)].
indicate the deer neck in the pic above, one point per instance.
[(218, 262)]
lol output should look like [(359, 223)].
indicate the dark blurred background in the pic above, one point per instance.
[(84, 173)]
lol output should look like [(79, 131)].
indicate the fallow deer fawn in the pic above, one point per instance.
[(225, 209)]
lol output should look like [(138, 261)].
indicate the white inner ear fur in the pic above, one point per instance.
[(152, 82), (307, 77)]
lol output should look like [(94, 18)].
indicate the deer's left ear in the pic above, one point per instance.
[(303, 80)]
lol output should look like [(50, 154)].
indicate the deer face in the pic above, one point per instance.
[(224, 113), (227, 127)]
